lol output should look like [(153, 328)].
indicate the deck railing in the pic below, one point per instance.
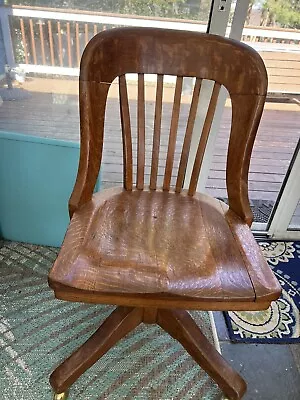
[(51, 41)]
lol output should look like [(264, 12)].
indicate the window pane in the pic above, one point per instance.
[(277, 41), (295, 221)]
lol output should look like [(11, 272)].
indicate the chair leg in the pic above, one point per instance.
[(120, 322), (181, 326)]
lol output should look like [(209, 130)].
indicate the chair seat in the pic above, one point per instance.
[(151, 242)]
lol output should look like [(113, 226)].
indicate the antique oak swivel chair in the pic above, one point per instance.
[(156, 252)]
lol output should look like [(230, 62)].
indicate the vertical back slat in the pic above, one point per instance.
[(42, 44), (188, 136), (140, 133), (77, 44), (95, 30), (51, 43), (126, 133), (173, 133), (203, 139), (157, 131), (32, 41), (24, 40), (59, 44)]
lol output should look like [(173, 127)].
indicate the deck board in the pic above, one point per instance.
[(56, 116)]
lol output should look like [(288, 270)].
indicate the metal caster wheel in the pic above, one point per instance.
[(60, 396)]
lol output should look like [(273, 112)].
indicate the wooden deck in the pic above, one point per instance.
[(55, 115), (283, 69)]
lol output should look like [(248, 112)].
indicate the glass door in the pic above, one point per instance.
[(276, 144), (294, 224)]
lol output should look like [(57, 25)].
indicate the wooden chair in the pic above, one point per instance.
[(157, 252)]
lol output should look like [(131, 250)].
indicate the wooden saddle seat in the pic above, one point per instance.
[(140, 242)]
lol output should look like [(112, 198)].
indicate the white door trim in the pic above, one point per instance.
[(287, 203)]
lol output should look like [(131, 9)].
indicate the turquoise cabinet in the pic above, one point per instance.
[(36, 179)]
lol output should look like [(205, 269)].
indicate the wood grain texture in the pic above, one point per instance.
[(181, 326), (173, 133), (120, 322), (212, 234), (246, 114), (139, 242), (150, 315), (126, 133), (178, 53), (188, 136), (177, 323), (260, 273), (203, 138), (140, 133), (91, 142), (156, 131), (67, 293), (150, 50)]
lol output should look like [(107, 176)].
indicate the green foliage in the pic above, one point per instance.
[(18, 46), (187, 9), (285, 13), (163, 8)]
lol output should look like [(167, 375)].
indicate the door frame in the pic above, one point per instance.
[(289, 195)]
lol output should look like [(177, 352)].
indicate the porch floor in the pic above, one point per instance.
[(51, 110)]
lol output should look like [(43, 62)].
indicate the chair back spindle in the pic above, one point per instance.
[(156, 131), (173, 133), (203, 138), (188, 136), (141, 133), (180, 54), (126, 133)]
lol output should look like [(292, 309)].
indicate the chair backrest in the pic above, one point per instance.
[(116, 52)]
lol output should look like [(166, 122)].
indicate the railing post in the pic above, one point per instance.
[(6, 34)]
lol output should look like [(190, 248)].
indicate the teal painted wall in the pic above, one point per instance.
[(36, 179)]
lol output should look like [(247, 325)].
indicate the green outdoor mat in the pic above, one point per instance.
[(37, 332)]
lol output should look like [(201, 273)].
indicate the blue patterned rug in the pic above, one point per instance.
[(280, 323)]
